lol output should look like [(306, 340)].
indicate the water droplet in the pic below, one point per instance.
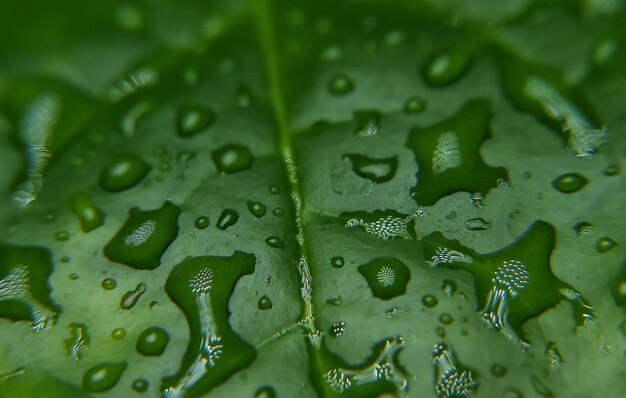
[(498, 370), (202, 222), (103, 377), (232, 158), (429, 301), (377, 170), (144, 237), (152, 341), (449, 287), (445, 68), (446, 319), (109, 284), (334, 301), (582, 229), (275, 242), (414, 105), (130, 298), (337, 262), (123, 172), (88, 214), (140, 385), (278, 212), (611, 170), (340, 84), (605, 244), (337, 329), (191, 119), (66, 259), (265, 303), (79, 340), (61, 235), (257, 209), (441, 331), (477, 224), (74, 276), (49, 216), (387, 277), (228, 218), (265, 392), (243, 96), (367, 123), (274, 189), (568, 183)]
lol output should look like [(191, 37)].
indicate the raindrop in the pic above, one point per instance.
[(265, 392), (191, 119), (376, 170), (49, 216), (582, 229), (340, 84), (202, 222), (130, 298), (445, 68), (568, 183), (605, 244), (611, 170), (61, 235), (414, 105), (446, 319), (74, 276), (88, 214), (278, 212), (387, 277), (257, 209), (337, 262), (140, 385), (228, 218), (103, 377), (123, 172), (441, 331), (232, 158), (275, 242), (477, 224), (429, 301), (367, 123), (274, 189), (152, 341), (109, 283), (449, 287), (498, 370), (265, 303)]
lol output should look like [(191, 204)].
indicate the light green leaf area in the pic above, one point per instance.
[(313, 199)]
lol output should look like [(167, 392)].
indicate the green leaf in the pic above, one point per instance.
[(300, 199)]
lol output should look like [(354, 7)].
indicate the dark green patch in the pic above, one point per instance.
[(387, 277), (568, 183), (152, 341)]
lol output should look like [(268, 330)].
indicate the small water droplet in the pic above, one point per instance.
[(477, 224), (611, 170), (275, 242), (582, 229), (498, 370), (337, 262), (88, 214), (74, 276), (605, 244), (140, 385), (512, 393), (429, 301), (257, 209), (202, 222), (191, 119), (375, 170), (109, 284), (66, 259), (228, 218), (445, 68), (568, 183), (334, 301), (103, 377), (446, 319), (340, 84), (265, 392), (152, 341), (123, 172), (278, 212), (49, 216), (232, 158), (274, 189), (449, 287), (61, 235), (265, 303), (414, 105), (441, 331), (367, 123)]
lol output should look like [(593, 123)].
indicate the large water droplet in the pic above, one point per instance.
[(109, 284), (568, 183), (232, 158), (376, 170), (228, 218), (88, 214), (103, 377), (144, 237), (477, 224), (202, 222), (191, 119), (123, 172), (152, 341), (387, 277), (429, 301), (445, 68)]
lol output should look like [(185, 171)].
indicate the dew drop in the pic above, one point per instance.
[(103, 377), (445, 68), (278, 212), (274, 189), (441, 331), (130, 298), (498, 370), (228, 218), (367, 123), (477, 224), (191, 119), (446, 319), (337, 262), (275, 242), (202, 222), (429, 301), (257, 209), (340, 84), (611, 170), (265, 303), (140, 385), (152, 341), (49, 216), (88, 214), (109, 284), (232, 158), (61, 235), (414, 105), (123, 172), (66, 259), (605, 244), (376, 170), (582, 229), (568, 183), (74, 276), (265, 392)]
